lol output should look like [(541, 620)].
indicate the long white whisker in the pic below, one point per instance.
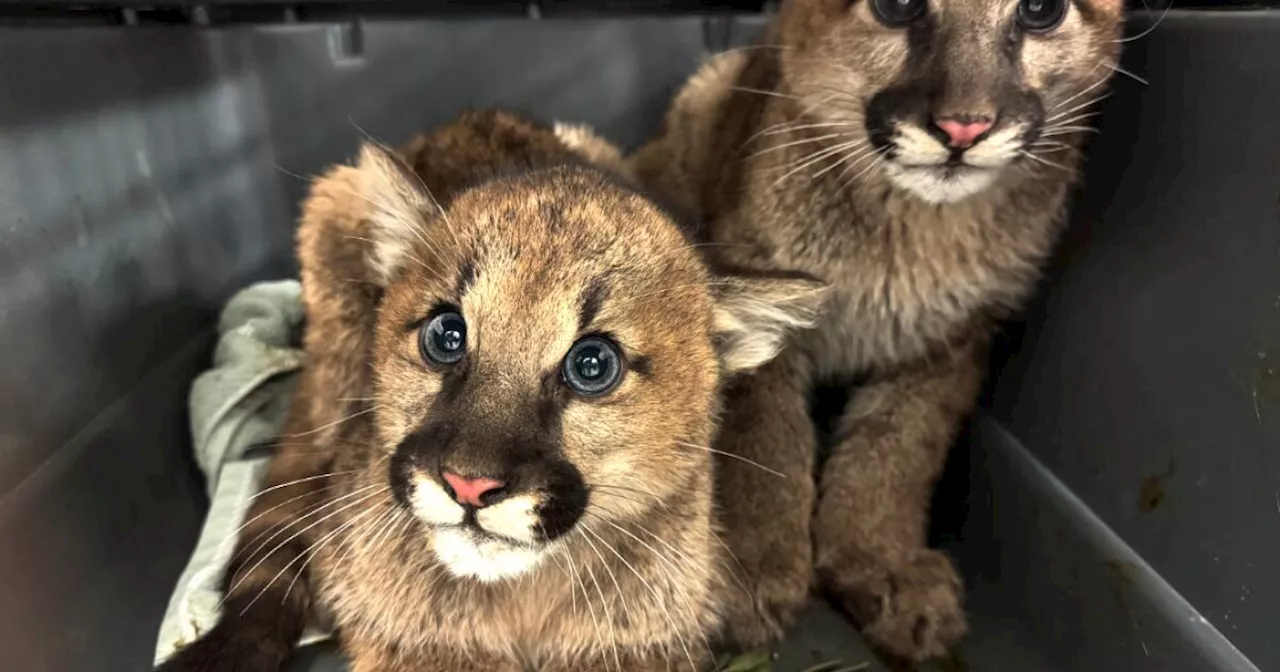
[(396, 522), (300, 481), (876, 161), (799, 117), (1076, 119), (850, 156), (364, 530), (245, 575), (604, 603), (763, 92), (740, 458), (1168, 6), (1099, 82), (235, 533), (1068, 130), (335, 423), (1077, 108), (792, 129), (659, 601), (816, 157), (586, 597), (1046, 162), (1119, 70), (802, 141), (305, 555)]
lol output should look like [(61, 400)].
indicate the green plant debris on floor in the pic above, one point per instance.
[(762, 661)]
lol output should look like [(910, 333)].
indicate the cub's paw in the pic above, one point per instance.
[(767, 594), (223, 651), (912, 609)]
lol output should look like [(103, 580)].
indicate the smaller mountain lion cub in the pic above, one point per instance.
[(498, 458)]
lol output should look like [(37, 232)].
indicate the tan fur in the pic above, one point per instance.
[(505, 208), (768, 146)]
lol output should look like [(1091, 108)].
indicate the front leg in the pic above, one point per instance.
[(872, 516), (268, 599), (765, 491)]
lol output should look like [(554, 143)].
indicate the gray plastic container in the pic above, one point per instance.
[(1115, 506)]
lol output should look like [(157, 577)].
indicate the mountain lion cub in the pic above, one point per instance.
[(917, 155), (499, 456)]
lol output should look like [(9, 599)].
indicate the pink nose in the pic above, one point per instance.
[(468, 491), (963, 133)]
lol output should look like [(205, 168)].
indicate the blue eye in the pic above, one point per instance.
[(1041, 16), (898, 13), (593, 366), (443, 339)]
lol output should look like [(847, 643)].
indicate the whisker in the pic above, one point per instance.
[(1077, 108), (378, 525), (397, 154), (1168, 6), (305, 556), (876, 162), (1119, 70), (302, 480), (573, 588), (604, 603), (839, 94), (295, 521), (801, 127), (1053, 146), (850, 156), (363, 531), (586, 597), (802, 141), (816, 157), (1067, 130), (396, 525), (763, 92), (1076, 119), (236, 532), (335, 423), (745, 460), (1046, 162), (790, 122), (658, 599), (1098, 82), (406, 255)]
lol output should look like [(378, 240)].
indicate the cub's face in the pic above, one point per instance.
[(547, 363), (943, 95)]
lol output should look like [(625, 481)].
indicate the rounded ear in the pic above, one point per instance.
[(357, 226), (586, 143), (755, 314), (400, 206)]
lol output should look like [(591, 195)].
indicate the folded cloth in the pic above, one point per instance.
[(238, 404)]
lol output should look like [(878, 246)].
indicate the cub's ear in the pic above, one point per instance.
[(399, 208), (586, 143), (755, 314)]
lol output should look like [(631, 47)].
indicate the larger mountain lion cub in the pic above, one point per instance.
[(499, 456), (916, 154)]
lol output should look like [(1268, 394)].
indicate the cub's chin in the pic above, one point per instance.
[(940, 184), (468, 553), (490, 543), (924, 166)]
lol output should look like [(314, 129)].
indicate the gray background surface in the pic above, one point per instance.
[(145, 175)]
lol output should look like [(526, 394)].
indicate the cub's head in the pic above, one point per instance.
[(945, 94), (549, 353)]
